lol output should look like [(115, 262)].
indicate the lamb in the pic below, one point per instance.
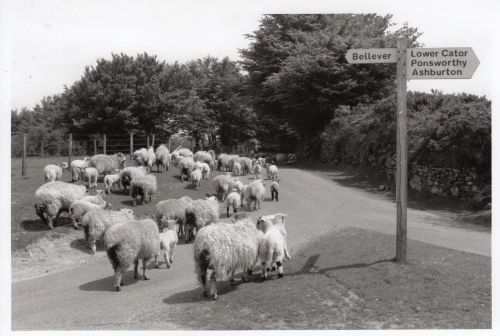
[(205, 169), (222, 185), (128, 173), (54, 198), (110, 181), (105, 164), (204, 157), (246, 165), (254, 193), (143, 186), (233, 200), (275, 189), (151, 158), (90, 174), (200, 213), (226, 248), (98, 198), (196, 176), (64, 165), (128, 242), (168, 241), (173, 209), (76, 166), (180, 153), (272, 247), (186, 166), (257, 169), (52, 173), (80, 207), (272, 172), (95, 223), (162, 158), (237, 169), (140, 156)]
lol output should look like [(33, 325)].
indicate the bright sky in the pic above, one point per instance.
[(50, 42)]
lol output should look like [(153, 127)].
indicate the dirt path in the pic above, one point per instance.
[(82, 298)]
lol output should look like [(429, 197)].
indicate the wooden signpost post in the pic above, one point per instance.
[(413, 63)]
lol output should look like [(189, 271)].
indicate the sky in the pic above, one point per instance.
[(50, 42)]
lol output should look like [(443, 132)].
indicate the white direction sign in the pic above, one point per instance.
[(385, 55), (440, 63)]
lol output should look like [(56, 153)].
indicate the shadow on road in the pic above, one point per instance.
[(195, 295), (80, 244), (34, 225), (106, 284)]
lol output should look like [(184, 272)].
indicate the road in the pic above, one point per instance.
[(83, 297)]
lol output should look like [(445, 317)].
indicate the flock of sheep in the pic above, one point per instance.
[(226, 248)]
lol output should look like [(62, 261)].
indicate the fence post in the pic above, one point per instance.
[(70, 148), (131, 145), (153, 141), (147, 142), (41, 149), (104, 144), (95, 146), (23, 166)]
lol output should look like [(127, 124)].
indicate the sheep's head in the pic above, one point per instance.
[(171, 224), (264, 223), (128, 212), (86, 158), (64, 165)]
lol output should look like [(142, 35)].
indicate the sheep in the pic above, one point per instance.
[(232, 160), (173, 209), (143, 186), (200, 213), (76, 166), (106, 163), (254, 193), (98, 198), (180, 153), (52, 173), (205, 169), (196, 176), (64, 165), (237, 169), (233, 200), (186, 166), (257, 169), (204, 157), (272, 172), (54, 198), (128, 173), (80, 207), (140, 156), (110, 181), (272, 247), (212, 153), (95, 223), (261, 161), (90, 174), (168, 241), (151, 158), (246, 165), (275, 189), (222, 185), (162, 158), (128, 242), (226, 248), (222, 161)]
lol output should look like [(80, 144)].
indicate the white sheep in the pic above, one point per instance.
[(223, 185), (212, 153), (79, 208), (233, 200), (168, 241), (98, 198), (54, 198), (272, 247), (257, 170), (162, 158), (246, 165), (272, 172), (200, 213), (140, 156), (143, 186), (226, 248), (186, 166), (128, 173), (95, 223), (111, 181), (237, 169), (204, 157), (105, 164), (180, 153), (205, 169), (52, 173), (275, 189), (127, 243), (173, 209), (76, 166), (254, 193), (196, 176), (151, 160), (90, 174)]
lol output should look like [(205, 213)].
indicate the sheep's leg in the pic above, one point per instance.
[(156, 259), (234, 209), (227, 211), (144, 264), (280, 268), (213, 285), (75, 224), (118, 279), (172, 254), (166, 256), (264, 270), (92, 245), (136, 266)]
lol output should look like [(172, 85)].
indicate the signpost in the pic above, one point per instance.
[(413, 63)]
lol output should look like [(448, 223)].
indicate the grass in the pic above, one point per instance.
[(347, 280), (26, 227)]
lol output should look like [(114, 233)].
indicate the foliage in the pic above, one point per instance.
[(444, 130)]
